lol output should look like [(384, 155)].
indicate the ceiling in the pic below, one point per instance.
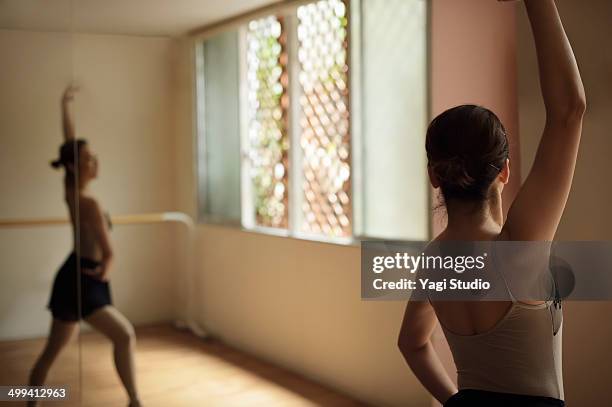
[(132, 17)]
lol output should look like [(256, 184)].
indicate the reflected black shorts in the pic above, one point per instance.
[(94, 293)]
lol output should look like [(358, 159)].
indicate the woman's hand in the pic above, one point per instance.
[(68, 95), (67, 125), (99, 273)]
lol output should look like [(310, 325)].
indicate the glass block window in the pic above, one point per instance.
[(267, 102), (325, 138)]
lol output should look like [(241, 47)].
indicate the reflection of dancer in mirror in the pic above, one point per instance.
[(96, 263), (506, 352)]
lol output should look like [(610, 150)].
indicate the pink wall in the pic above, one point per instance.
[(473, 60)]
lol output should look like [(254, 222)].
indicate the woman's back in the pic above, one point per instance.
[(502, 346), (471, 317), (519, 354)]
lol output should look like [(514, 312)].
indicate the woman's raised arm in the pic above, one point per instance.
[(539, 205), (67, 123)]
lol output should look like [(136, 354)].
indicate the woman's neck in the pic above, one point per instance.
[(70, 184), (80, 190), (474, 220)]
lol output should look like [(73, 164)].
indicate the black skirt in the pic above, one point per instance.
[(482, 398), (94, 293)]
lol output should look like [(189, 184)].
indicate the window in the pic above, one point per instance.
[(324, 137), (267, 141), (311, 122), (395, 197), (218, 129)]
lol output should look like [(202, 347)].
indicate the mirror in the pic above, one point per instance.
[(143, 85)]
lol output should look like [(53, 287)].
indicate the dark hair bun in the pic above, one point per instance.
[(454, 172), (67, 151), (466, 146)]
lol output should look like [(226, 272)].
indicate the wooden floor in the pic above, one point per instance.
[(175, 368)]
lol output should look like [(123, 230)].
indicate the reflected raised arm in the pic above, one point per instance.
[(67, 123)]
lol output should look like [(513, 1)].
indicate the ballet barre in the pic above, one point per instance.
[(139, 219), (130, 219)]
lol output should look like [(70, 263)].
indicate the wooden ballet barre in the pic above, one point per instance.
[(152, 218), (14, 223), (131, 219)]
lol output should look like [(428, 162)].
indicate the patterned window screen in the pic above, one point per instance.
[(324, 103), (268, 143)]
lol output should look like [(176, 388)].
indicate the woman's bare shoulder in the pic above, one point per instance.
[(89, 206)]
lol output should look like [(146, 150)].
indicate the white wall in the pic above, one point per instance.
[(124, 109), (35, 67), (297, 304)]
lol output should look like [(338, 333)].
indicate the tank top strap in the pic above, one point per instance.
[(501, 273)]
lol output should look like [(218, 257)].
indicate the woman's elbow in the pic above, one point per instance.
[(578, 105), (108, 255), (572, 110), (406, 346), (401, 344)]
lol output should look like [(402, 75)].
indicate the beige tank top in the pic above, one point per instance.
[(519, 355)]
